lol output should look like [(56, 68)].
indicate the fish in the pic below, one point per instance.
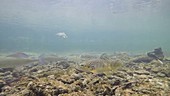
[(19, 55), (62, 34)]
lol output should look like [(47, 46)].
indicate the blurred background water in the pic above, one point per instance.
[(91, 25)]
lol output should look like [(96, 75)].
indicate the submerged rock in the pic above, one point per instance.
[(62, 79), (143, 60), (6, 69), (104, 56), (2, 84), (95, 63), (19, 55), (88, 56), (63, 64), (157, 54)]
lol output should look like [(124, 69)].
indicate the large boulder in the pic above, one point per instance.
[(156, 54)]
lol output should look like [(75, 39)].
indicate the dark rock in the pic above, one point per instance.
[(113, 90), (81, 85), (107, 91), (156, 54), (143, 60), (79, 71), (66, 81), (62, 91), (10, 80), (128, 85), (27, 92), (110, 77), (2, 70), (33, 70), (95, 81), (117, 82), (100, 74), (16, 74), (2, 84), (6, 69), (63, 64), (7, 73), (36, 89)]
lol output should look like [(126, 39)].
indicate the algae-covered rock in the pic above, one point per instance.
[(104, 56), (97, 77), (63, 64)]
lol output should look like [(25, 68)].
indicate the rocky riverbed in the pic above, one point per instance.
[(88, 75)]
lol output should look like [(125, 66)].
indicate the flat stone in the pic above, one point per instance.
[(161, 74), (142, 72)]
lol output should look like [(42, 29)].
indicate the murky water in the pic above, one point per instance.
[(90, 25)]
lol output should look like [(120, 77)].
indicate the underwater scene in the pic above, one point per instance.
[(84, 48)]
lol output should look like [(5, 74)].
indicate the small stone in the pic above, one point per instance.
[(3, 94), (2, 84), (33, 70), (100, 74), (62, 91), (141, 76), (30, 84), (7, 73), (63, 64), (85, 81), (48, 87), (145, 91), (142, 72), (128, 85), (27, 93), (51, 76), (76, 76), (110, 77), (155, 70), (2, 74), (95, 81), (117, 82), (1, 70), (161, 74)]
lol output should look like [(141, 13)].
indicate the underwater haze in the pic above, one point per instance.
[(84, 25)]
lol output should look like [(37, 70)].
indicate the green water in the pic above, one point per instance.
[(91, 25)]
